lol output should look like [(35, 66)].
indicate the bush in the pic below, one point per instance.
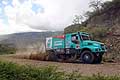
[(7, 49), (98, 33), (11, 71)]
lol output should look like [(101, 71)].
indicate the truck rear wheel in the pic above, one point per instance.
[(51, 57), (87, 57)]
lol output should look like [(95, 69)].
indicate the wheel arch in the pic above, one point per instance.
[(84, 49)]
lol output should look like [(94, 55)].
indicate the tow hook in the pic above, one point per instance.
[(97, 54)]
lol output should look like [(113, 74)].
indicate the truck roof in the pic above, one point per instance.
[(84, 33), (63, 36)]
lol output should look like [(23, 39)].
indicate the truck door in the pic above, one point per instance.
[(75, 41)]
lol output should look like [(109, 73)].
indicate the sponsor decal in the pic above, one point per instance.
[(58, 43)]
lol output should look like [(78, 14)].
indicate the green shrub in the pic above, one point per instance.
[(11, 71)]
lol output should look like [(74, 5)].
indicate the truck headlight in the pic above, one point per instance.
[(97, 49)]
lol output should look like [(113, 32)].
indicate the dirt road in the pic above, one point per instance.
[(84, 69)]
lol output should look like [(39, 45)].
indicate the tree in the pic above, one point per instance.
[(96, 5), (88, 14), (78, 19)]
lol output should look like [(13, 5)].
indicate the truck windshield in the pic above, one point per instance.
[(85, 37)]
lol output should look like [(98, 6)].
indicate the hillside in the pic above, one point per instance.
[(27, 39), (108, 17), (104, 26)]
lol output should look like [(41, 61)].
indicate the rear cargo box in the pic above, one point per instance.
[(56, 42)]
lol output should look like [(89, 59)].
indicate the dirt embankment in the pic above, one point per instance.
[(84, 69)]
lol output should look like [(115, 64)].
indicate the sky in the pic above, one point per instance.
[(39, 15)]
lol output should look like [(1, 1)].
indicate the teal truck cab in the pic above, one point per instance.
[(75, 46)]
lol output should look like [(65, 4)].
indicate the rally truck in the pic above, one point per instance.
[(75, 46)]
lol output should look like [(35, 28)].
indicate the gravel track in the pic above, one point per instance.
[(84, 69)]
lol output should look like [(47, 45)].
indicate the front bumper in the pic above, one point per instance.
[(102, 49)]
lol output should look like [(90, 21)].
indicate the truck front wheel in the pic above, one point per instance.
[(87, 57)]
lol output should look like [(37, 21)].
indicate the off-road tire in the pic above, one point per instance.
[(51, 57), (87, 57)]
